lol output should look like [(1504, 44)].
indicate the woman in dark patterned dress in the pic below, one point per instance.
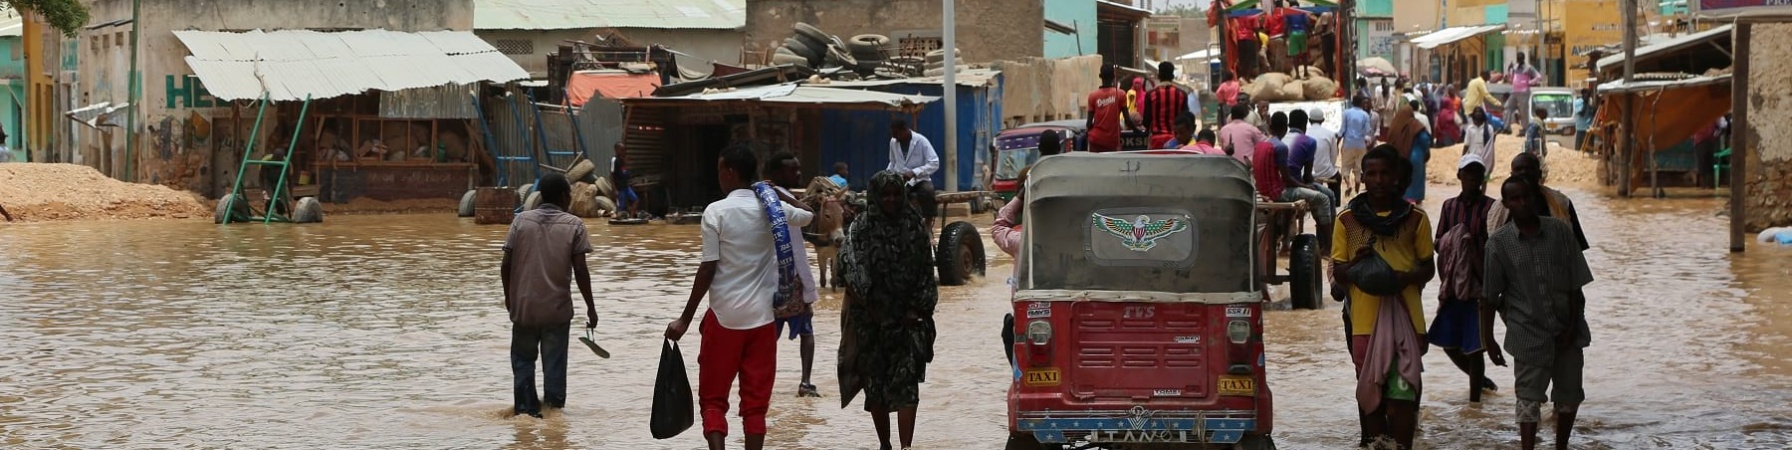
[(891, 294)]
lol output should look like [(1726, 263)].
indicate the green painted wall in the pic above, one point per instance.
[(12, 99)]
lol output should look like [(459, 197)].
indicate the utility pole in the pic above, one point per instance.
[(135, 88), (1629, 126), (949, 40)]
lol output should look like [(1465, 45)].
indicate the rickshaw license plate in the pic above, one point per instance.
[(1237, 385), (1042, 377), (1135, 141)]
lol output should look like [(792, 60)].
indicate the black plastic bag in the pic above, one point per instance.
[(673, 410), (1374, 277)]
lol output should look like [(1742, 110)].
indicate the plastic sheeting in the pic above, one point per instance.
[(613, 85), (1662, 118)]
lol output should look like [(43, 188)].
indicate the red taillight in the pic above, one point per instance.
[(1038, 338)]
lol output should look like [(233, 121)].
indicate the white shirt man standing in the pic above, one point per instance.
[(1325, 159), (739, 274), (913, 155)]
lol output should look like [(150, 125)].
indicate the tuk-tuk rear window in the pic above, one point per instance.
[(1558, 105), (1009, 162), (1151, 237)]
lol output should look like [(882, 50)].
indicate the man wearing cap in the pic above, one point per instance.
[(1461, 237), (1325, 157)]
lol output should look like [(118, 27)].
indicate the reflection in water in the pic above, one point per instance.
[(389, 331)]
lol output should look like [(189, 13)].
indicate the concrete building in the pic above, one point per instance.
[(184, 137), (12, 76), (988, 30), (1375, 29), (1070, 28), (529, 31), (1769, 174), (49, 80)]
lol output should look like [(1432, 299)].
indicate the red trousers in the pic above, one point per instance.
[(725, 353)]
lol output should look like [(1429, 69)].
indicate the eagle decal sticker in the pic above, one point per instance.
[(1142, 233)]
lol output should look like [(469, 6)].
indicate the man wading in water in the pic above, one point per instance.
[(1461, 238), (1380, 230), (544, 246), (784, 170), (739, 273), (1534, 279)]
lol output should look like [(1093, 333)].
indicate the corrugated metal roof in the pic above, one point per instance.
[(293, 64), (1669, 45), (1618, 87), (579, 14), (971, 77), (11, 23), (791, 93), (1449, 35)]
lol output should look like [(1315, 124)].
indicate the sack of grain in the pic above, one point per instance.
[(1319, 88), (584, 201), (1293, 91)]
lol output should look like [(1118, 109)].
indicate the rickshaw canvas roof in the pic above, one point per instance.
[(1138, 222)]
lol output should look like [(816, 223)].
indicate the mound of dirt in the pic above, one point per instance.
[(37, 192), (1564, 167)]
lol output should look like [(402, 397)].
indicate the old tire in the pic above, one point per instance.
[(839, 57), (1304, 280), (604, 187), (940, 55), (308, 210), (237, 206), (787, 59), (522, 193), (867, 44), (1255, 442), (812, 35), (960, 254), (466, 203), (605, 204), (802, 47), (585, 171), (532, 201)]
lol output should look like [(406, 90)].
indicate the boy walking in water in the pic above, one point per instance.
[(784, 171), (544, 246), (1461, 238), (1535, 272), (739, 274)]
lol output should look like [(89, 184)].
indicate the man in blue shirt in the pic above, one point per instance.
[(1297, 174), (1583, 118), (1359, 135)]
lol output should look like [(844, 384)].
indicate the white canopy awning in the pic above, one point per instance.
[(1451, 35)]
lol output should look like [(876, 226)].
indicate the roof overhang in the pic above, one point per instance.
[(1452, 35), (585, 14), (1109, 10), (1671, 46), (793, 95), (290, 65), (1620, 87)]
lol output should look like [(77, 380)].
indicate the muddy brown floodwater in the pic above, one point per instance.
[(387, 331)]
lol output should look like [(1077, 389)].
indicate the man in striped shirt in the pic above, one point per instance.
[(1163, 105)]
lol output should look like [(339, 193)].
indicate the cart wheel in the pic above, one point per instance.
[(1304, 279), (466, 203), (960, 254), (1026, 441), (238, 209), (308, 210), (1255, 442)]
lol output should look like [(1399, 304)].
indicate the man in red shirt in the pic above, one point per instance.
[(1163, 105), (1106, 107)]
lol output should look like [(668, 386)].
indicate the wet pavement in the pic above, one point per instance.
[(388, 331)]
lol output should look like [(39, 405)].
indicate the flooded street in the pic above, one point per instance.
[(389, 331)]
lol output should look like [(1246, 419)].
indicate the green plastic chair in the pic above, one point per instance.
[(1718, 167)]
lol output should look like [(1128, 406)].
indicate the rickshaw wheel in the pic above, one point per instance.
[(1255, 442), (1304, 280), (960, 254), (1026, 441)]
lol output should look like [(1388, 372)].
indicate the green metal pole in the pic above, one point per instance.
[(286, 163), (238, 187), (136, 92)]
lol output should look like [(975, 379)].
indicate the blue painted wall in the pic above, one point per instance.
[(1076, 13), (861, 139)]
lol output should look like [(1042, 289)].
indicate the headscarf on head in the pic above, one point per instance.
[(1404, 130), (888, 267)]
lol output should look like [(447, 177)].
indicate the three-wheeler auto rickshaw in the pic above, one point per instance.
[(1018, 147), (1138, 320)]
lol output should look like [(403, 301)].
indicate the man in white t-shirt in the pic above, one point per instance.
[(784, 170), (1325, 159), (739, 273)]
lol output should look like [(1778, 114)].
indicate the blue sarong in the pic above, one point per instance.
[(774, 212)]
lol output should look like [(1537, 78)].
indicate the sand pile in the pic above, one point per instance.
[(36, 192), (1565, 167)]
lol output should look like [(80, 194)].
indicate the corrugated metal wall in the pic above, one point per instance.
[(513, 126), (451, 101), (862, 138)]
